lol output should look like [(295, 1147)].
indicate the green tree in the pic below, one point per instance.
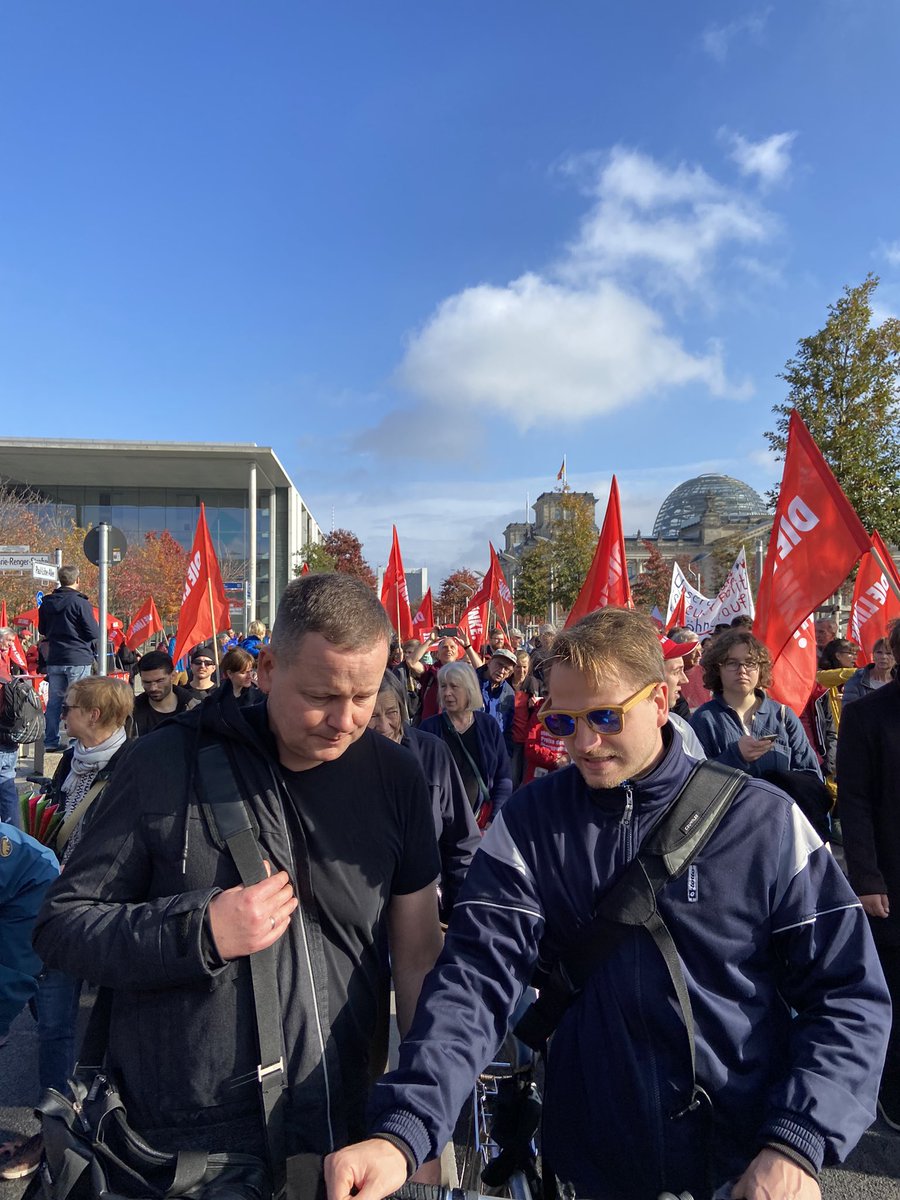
[(533, 591), (573, 540), (651, 588), (456, 592), (316, 557), (844, 382)]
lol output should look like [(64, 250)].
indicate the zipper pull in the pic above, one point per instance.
[(628, 810)]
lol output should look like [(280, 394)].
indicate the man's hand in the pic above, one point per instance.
[(876, 906), (752, 748), (244, 920), (772, 1176), (374, 1169)]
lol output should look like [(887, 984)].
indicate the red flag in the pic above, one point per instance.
[(606, 583), (423, 621), (3, 621), (145, 624), (17, 653), (473, 621), (500, 595), (304, 570), (204, 608), (679, 613), (395, 594), (875, 604), (794, 671), (113, 624), (816, 538)]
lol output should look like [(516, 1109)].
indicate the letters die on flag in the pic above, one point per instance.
[(875, 603), (816, 539), (204, 607)]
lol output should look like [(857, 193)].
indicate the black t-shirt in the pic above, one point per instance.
[(146, 718), (200, 694), (470, 741), (369, 827)]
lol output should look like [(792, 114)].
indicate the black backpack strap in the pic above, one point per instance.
[(668, 851), (226, 808)]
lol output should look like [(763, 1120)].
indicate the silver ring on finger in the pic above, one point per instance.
[(272, 919)]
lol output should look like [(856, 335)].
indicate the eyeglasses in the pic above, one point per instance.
[(562, 723), (65, 709), (735, 664)]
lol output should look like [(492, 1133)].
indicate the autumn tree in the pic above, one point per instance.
[(154, 568), (533, 581), (345, 550), (844, 382), (651, 588), (456, 592), (573, 538)]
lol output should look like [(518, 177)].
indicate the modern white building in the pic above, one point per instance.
[(255, 514)]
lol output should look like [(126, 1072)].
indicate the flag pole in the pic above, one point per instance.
[(887, 571), (212, 621)]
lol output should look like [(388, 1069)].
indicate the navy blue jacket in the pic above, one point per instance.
[(457, 834), (764, 924), (27, 868), (66, 619), (494, 764)]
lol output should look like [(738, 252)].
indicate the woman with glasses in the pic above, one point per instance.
[(741, 726), (474, 739)]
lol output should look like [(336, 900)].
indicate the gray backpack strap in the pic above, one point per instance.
[(669, 850), (225, 807)]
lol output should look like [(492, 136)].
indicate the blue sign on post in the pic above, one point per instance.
[(38, 597)]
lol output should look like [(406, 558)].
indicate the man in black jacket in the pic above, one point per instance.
[(66, 620), (868, 780), (152, 905)]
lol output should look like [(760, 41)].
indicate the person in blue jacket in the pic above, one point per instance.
[(790, 1007), (741, 726)]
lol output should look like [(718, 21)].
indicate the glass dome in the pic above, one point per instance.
[(738, 503)]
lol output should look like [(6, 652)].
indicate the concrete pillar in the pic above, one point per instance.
[(251, 569), (274, 587)]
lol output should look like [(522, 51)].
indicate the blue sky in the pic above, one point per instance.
[(425, 249)]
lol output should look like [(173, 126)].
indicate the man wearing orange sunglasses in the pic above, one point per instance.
[(790, 1013)]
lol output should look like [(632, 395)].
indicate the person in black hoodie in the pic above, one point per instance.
[(66, 620), (153, 908)]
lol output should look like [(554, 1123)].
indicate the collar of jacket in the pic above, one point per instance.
[(655, 791)]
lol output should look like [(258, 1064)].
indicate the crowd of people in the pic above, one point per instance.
[(443, 819)]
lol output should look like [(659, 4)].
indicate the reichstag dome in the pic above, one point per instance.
[(736, 503)]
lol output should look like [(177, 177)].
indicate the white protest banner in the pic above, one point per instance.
[(702, 614)]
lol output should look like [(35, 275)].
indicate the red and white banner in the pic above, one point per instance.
[(144, 626), (794, 670), (395, 594), (606, 583), (423, 621), (875, 603), (472, 624), (204, 608)]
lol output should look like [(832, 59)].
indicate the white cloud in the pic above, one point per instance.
[(535, 348), (716, 40), (769, 160), (669, 224), (892, 253), (576, 340)]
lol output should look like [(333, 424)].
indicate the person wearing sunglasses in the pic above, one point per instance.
[(202, 681), (763, 921)]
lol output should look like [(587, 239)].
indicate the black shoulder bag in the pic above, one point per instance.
[(90, 1150), (631, 903)]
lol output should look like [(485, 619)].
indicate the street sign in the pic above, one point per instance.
[(38, 597), (15, 562), (15, 549), (46, 572), (118, 545)]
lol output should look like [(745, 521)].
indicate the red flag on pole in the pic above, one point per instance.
[(794, 670), (473, 621), (875, 603), (500, 595), (17, 653), (679, 613), (394, 593), (606, 583), (816, 538), (423, 621), (304, 570), (145, 624), (204, 608)]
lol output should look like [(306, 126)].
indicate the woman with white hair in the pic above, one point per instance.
[(474, 739)]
